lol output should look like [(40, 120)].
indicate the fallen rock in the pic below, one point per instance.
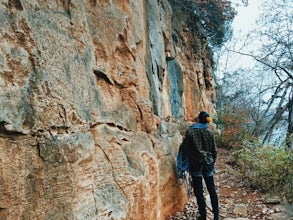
[(240, 209), (272, 200), (236, 218)]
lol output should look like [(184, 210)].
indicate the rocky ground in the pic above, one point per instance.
[(237, 201)]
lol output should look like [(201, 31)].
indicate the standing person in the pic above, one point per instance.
[(199, 145)]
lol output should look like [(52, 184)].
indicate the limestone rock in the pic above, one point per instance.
[(240, 209), (94, 96), (268, 199), (236, 218)]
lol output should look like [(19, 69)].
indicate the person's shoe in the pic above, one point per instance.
[(202, 218), (216, 217)]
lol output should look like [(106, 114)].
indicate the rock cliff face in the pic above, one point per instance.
[(93, 96)]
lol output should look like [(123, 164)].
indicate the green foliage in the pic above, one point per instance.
[(267, 169), (213, 17), (216, 18)]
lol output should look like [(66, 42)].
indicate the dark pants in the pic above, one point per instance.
[(198, 192)]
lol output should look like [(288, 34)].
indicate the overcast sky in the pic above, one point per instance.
[(245, 19), (243, 23)]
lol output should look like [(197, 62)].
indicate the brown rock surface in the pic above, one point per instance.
[(93, 95)]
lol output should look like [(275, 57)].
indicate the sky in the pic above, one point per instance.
[(245, 19), (243, 23)]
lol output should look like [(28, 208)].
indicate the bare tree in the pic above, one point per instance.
[(274, 54)]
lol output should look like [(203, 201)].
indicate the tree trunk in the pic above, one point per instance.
[(289, 138)]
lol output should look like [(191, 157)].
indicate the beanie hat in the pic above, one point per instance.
[(204, 117)]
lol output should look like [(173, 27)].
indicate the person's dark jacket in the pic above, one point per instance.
[(199, 144)]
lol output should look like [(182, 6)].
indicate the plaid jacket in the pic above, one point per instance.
[(200, 145)]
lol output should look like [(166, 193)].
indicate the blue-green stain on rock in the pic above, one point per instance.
[(176, 87)]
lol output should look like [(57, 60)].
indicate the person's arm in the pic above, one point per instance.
[(185, 143), (214, 148)]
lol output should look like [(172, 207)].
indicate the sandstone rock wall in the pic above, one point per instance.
[(93, 97)]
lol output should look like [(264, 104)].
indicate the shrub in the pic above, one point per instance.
[(233, 129), (267, 169)]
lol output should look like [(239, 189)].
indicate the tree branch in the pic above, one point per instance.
[(264, 63)]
